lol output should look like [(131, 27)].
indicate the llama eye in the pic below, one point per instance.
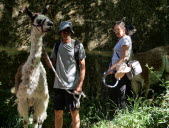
[(39, 21)]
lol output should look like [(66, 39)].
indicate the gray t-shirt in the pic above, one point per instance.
[(66, 65), (126, 40)]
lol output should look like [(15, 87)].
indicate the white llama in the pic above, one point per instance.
[(30, 81)]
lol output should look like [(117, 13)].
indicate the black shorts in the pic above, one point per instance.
[(63, 100)]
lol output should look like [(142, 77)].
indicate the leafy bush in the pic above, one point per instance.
[(9, 65), (144, 113), (141, 115), (9, 115)]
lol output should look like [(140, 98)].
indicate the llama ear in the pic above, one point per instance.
[(45, 10), (28, 12)]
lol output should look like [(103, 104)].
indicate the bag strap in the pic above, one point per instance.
[(76, 51), (57, 44), (126, 61), (118, 55)]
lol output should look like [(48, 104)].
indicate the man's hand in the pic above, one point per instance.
[(78, 89)]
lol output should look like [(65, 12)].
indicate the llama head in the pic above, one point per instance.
[(40, 21)]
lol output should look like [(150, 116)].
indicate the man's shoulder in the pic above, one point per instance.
[(77, 43)]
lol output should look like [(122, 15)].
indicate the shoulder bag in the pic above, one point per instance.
[(135, 68)]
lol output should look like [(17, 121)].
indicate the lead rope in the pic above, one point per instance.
[(104, 80), (72, 93)]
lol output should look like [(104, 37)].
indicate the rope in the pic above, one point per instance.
[(72, 93), (104, 80)]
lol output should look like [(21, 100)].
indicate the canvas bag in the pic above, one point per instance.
[(135, 68)]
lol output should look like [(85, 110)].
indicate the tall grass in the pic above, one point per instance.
[(141, 112), (9, 115), (139, 115)]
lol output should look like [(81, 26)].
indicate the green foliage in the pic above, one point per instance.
[(93, 21), (152, 72), (10, 117), (8, 67), (97, 110), (141, 115), (164, 97), (94, 110)]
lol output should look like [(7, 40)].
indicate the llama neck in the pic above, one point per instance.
[(36, 47)]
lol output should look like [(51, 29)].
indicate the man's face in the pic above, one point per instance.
[(65, 33)]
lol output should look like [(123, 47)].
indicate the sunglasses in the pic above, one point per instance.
[(66, 31)]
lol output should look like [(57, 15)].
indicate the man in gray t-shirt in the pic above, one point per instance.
[(70, 77), (66, 67)]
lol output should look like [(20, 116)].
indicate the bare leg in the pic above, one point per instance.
[(58, 118), (75, 119)]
